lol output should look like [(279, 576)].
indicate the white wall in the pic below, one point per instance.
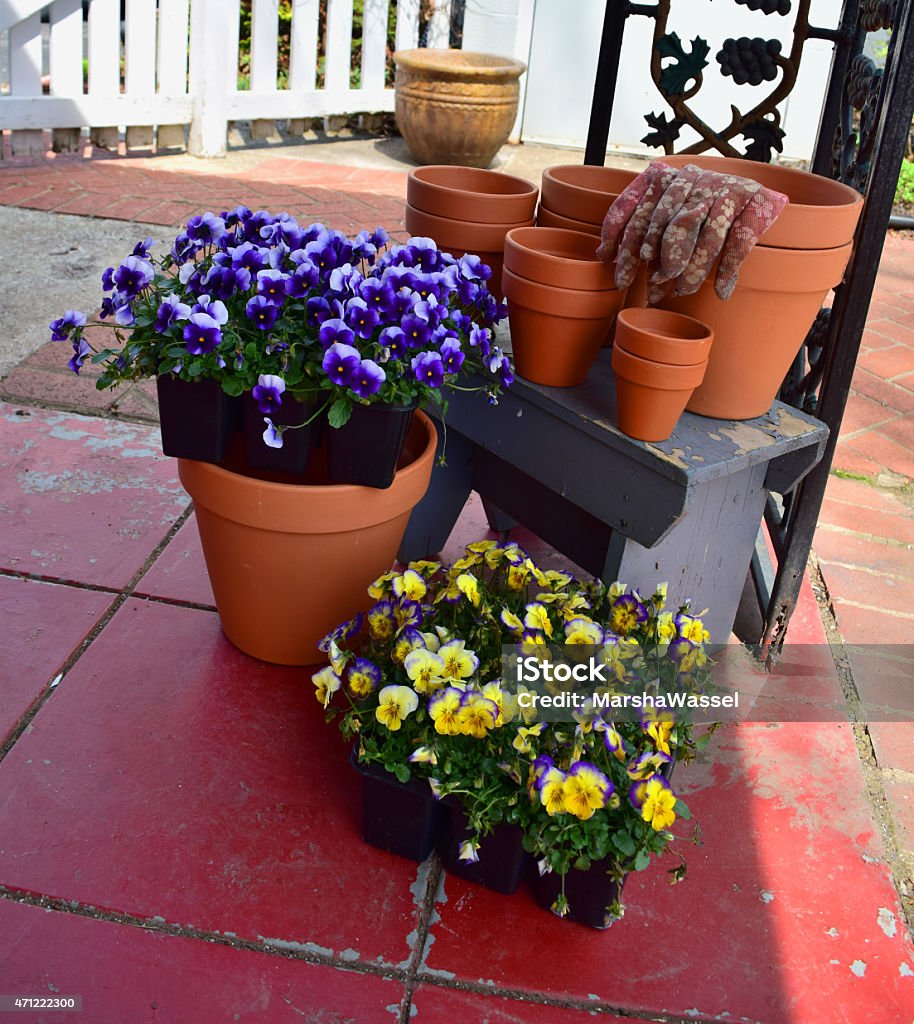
[(563, 55)]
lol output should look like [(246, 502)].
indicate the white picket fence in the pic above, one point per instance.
[(176, 65)]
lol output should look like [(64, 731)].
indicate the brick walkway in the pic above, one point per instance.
[(799, 889)]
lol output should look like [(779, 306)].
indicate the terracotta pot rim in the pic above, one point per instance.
[(661, 376), (585, 227), (770, 268), (586, 305), (550, 173), (520, 238), (426, 176), (469, 235), (322, 514), (488, 65), (647, 320)]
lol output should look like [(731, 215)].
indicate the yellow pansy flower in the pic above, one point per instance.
[(585, 790), (537, 617), (659, 801), (410, 585), (326, 682), (449, 593), (468, 561), (583, 630), (468, 585), (423, 755), (431, 640), (395, 705), (443, 708), (521, 742), (425, 669), (666, 628), (477, 715), (536, 572), (552, 790), (426, 567), (381, 585), (497, 695), (528, 708), (481, 547), (409, 641), (459, 663), (518, 576), (558, 579), (513, 623)]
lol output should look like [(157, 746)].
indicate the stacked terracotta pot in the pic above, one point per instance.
[(781, 287), (468, 210), (659, 359), (561, 303), (577, 197)]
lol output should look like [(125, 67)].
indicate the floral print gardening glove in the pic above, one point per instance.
[(679, 221)]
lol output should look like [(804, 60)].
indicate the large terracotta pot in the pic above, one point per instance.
[(556, 333), (583, 192), (546, 218), (553, 256), (471, 194), (650, 396), (821, 214), (760, 328), (455, 106), (288, 562), (487, 241), (662, 336)]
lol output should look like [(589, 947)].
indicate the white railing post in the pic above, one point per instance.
[(209, 78)]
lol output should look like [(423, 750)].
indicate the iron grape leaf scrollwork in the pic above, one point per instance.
[(686, 67), (665, 132), (763, 136)]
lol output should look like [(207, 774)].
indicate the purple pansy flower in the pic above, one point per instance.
[(205, 228), (394, 339), (368, 378), (133, 275), (81, 353), (271, 284), (452, 356), (335, 331), (60, 329), (428, 369), (267, 392), (416, 331), (107, 279), (317, 310), (212, 307), (202, 334), (361, 318), (272, 436), (341, 364), (249, 256), (303, 279), (345, 279), (262, 312)]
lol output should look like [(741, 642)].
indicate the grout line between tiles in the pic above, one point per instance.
[(48, 689)]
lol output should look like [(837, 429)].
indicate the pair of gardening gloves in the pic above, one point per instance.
[(678, 221)]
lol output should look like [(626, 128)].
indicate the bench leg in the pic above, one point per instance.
[(433, 519), (498, 521)]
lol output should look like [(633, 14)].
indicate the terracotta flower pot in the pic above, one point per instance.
[(546, 218), (288, 562), (760, 328), (556, 333), (663, 337), (553, 256), (583, 192), (471, 194), (821, 214), (455, 106), (650, 397), (487, 241)]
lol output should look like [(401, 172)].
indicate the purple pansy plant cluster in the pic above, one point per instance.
[(286, 312)]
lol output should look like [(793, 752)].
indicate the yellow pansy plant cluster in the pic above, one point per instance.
[(416, 682)]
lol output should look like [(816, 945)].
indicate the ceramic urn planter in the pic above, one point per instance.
[(455, 106)]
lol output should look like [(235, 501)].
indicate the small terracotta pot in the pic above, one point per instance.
[(471, 194), (650, 397), (288, 562), (553, 256), (546, 218), (663, 337), (821, 214), (583, 193), (556, 333), (760, 328)]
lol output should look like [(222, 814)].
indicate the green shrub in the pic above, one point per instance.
[(904, 193)]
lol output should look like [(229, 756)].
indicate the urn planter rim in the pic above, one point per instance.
[(460, 63)]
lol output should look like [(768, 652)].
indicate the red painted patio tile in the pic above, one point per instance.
[(82, 499), (892, 526), (863, 495), (900, 430), (863, 586), (55, 387), (215, 795), (885, 451), (849, 459), (891, 327), (901, 399), (137, 402), (861, 413), (888, 362), (126, 974), (43, 624), (434, 1004), (179, 572), (893, 743), (847, 549), (860, 625), (784, 813)]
